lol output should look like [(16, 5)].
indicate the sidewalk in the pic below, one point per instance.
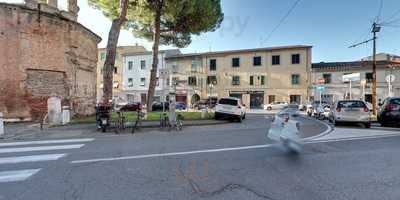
[(21, 131)]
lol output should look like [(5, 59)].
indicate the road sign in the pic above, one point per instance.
[(320, 88), (390, 78), (351, 77)]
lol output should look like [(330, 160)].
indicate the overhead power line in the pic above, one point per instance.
[(281, 21)]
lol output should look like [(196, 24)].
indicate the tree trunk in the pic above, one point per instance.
[(112, 42), (153, 72)]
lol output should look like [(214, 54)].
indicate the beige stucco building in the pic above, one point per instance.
[(257, 76), (336, 89), (118, 70)]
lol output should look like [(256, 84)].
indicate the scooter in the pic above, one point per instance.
[(286, 133), (103, 116)]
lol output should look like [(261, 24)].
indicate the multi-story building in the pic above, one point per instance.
[(136, 75), (335, 88), (257, 76), (118, 72)]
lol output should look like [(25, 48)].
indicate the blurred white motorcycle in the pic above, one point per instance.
[(286, 132)]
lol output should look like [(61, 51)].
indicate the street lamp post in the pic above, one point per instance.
[(363, 82), (211, 85)]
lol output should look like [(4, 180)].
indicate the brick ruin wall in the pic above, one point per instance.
[(41, 54)]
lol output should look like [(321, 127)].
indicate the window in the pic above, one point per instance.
[(195, 64), (256, 60), (130, 82), (213, 64), (225, 101), (235, 62), (212, 79), (142, 81), (168, 82), (235, 80), (192, 80), (115, 70), (271, 98), (102, 55), (327, 78), (276, 60), (130, 65), (262, 80), (157, 81), (296, 58), (295, 99), (369, 77), (251, 80), (295, 79), (142, 64)]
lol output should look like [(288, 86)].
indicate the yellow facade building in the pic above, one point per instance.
[(118, 70), (257, 76)]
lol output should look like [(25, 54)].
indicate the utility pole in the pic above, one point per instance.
[(375, 28)]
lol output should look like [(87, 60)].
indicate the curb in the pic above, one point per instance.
[(326, 132)]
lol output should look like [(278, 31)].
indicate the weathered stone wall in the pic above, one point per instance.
[(43, 53)]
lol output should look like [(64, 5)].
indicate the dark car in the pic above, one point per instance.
[(389, 112), (158, 106)]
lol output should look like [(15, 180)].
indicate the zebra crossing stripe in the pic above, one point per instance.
[(17, 175), (34, 158), (40, 148), (45, 142)]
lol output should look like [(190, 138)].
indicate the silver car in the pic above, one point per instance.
[(351, 111)]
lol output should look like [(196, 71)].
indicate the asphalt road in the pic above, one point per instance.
[(229, 161)]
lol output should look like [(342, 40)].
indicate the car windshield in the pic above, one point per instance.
[(395, 101), (351, 104), (232, 102)]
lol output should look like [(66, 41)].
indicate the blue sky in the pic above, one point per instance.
[(329, 25)]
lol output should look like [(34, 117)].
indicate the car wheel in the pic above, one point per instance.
[(269, 108), (216, 116), (240, 119), (335, 122), (367, 125)]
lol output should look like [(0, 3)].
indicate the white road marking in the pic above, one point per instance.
[(350, 138), (34, 158), (45, 142), (222, 149), (17, 175), (172, 154), (41, 148)]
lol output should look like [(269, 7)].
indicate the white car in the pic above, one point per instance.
[(350, 111), (278, 105), (231, 108)]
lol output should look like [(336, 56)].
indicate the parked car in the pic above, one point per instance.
[(278, 105), (180, 106), (351, 111), (230, 107), (202, 104), (158, 106), (389, 112), (205, 103)]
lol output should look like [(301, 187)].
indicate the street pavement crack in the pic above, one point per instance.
[(234, 186)]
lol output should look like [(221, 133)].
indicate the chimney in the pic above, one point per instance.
[(73, 7), (32, 4), (52, 3)]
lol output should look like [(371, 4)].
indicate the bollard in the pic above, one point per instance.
[(66, 115), (203, 113), (1, 125)]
